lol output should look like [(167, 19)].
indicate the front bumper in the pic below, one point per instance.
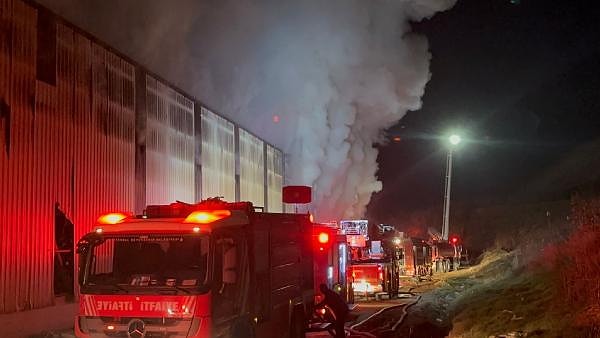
[(92, 327)]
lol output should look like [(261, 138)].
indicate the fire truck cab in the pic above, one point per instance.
[(212, 269)]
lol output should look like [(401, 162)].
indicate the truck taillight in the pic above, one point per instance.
[(112, 218), (323, 238), (205, 217)]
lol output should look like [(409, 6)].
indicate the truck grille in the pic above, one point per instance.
[(150, 327)]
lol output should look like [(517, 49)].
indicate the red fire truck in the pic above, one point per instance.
[(372, 269), (331, 260), (415, 256), (375, 275), (212, 269)]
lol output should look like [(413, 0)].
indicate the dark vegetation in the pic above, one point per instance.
[(552, 288), (576, 263), (539, 277)]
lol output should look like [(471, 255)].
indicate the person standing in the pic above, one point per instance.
[(338, 307)]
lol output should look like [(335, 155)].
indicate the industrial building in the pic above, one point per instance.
[(85, 130)]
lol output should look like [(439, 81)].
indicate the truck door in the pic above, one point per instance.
[(230, 279)]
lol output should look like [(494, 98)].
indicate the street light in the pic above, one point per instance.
[(454, 141)]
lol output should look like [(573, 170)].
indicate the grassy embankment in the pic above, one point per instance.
[(545, 289), (500, 298)]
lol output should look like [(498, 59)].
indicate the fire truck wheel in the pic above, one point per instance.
[(297, 324), (242, 329)]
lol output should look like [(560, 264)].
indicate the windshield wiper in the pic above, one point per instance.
[(181, 289), (106, 286), (118, 287)]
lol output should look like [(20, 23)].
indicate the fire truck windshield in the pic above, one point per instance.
[(152, 264)]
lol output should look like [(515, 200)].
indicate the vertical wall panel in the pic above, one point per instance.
[(62, 157), (105, 153), (19, 168), (140, 140), (53, 151), (95, 93), (217, 156), (252, 166), (5, 194), (170, 145), (274, 179)]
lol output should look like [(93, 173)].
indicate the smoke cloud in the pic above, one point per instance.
[(319, 79)]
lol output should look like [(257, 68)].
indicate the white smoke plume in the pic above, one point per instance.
[(335, 74)]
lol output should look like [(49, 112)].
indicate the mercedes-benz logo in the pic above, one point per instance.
[(136, 329)]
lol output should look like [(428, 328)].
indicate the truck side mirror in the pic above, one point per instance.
[(230, 266), (82, 248)]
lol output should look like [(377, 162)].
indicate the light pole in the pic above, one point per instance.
[(454, 141)]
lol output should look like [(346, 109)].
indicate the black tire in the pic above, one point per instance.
[(298, 324), (242, 329)]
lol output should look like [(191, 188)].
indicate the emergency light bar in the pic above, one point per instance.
[(177, 217), (205, 217), (195, 217), (112, 218)]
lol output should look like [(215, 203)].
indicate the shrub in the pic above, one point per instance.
[(578, 262)]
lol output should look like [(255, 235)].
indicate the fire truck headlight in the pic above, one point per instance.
[(82, 323), (337, 288), (362, 286)]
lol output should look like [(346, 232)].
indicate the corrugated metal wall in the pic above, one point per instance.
[(252, 168), (22, 172), (274, 179), (68, 138), (96, 89), (170, 145), (218, 156), (70, 144)]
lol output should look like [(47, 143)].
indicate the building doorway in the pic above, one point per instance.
[(63, 255)]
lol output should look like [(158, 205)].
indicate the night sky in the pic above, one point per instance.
[(522, 82)]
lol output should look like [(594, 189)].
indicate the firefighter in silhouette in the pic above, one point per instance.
[(338, 306)]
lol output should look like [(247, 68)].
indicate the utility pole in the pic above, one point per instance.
[(445, 224), (454, 141)]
